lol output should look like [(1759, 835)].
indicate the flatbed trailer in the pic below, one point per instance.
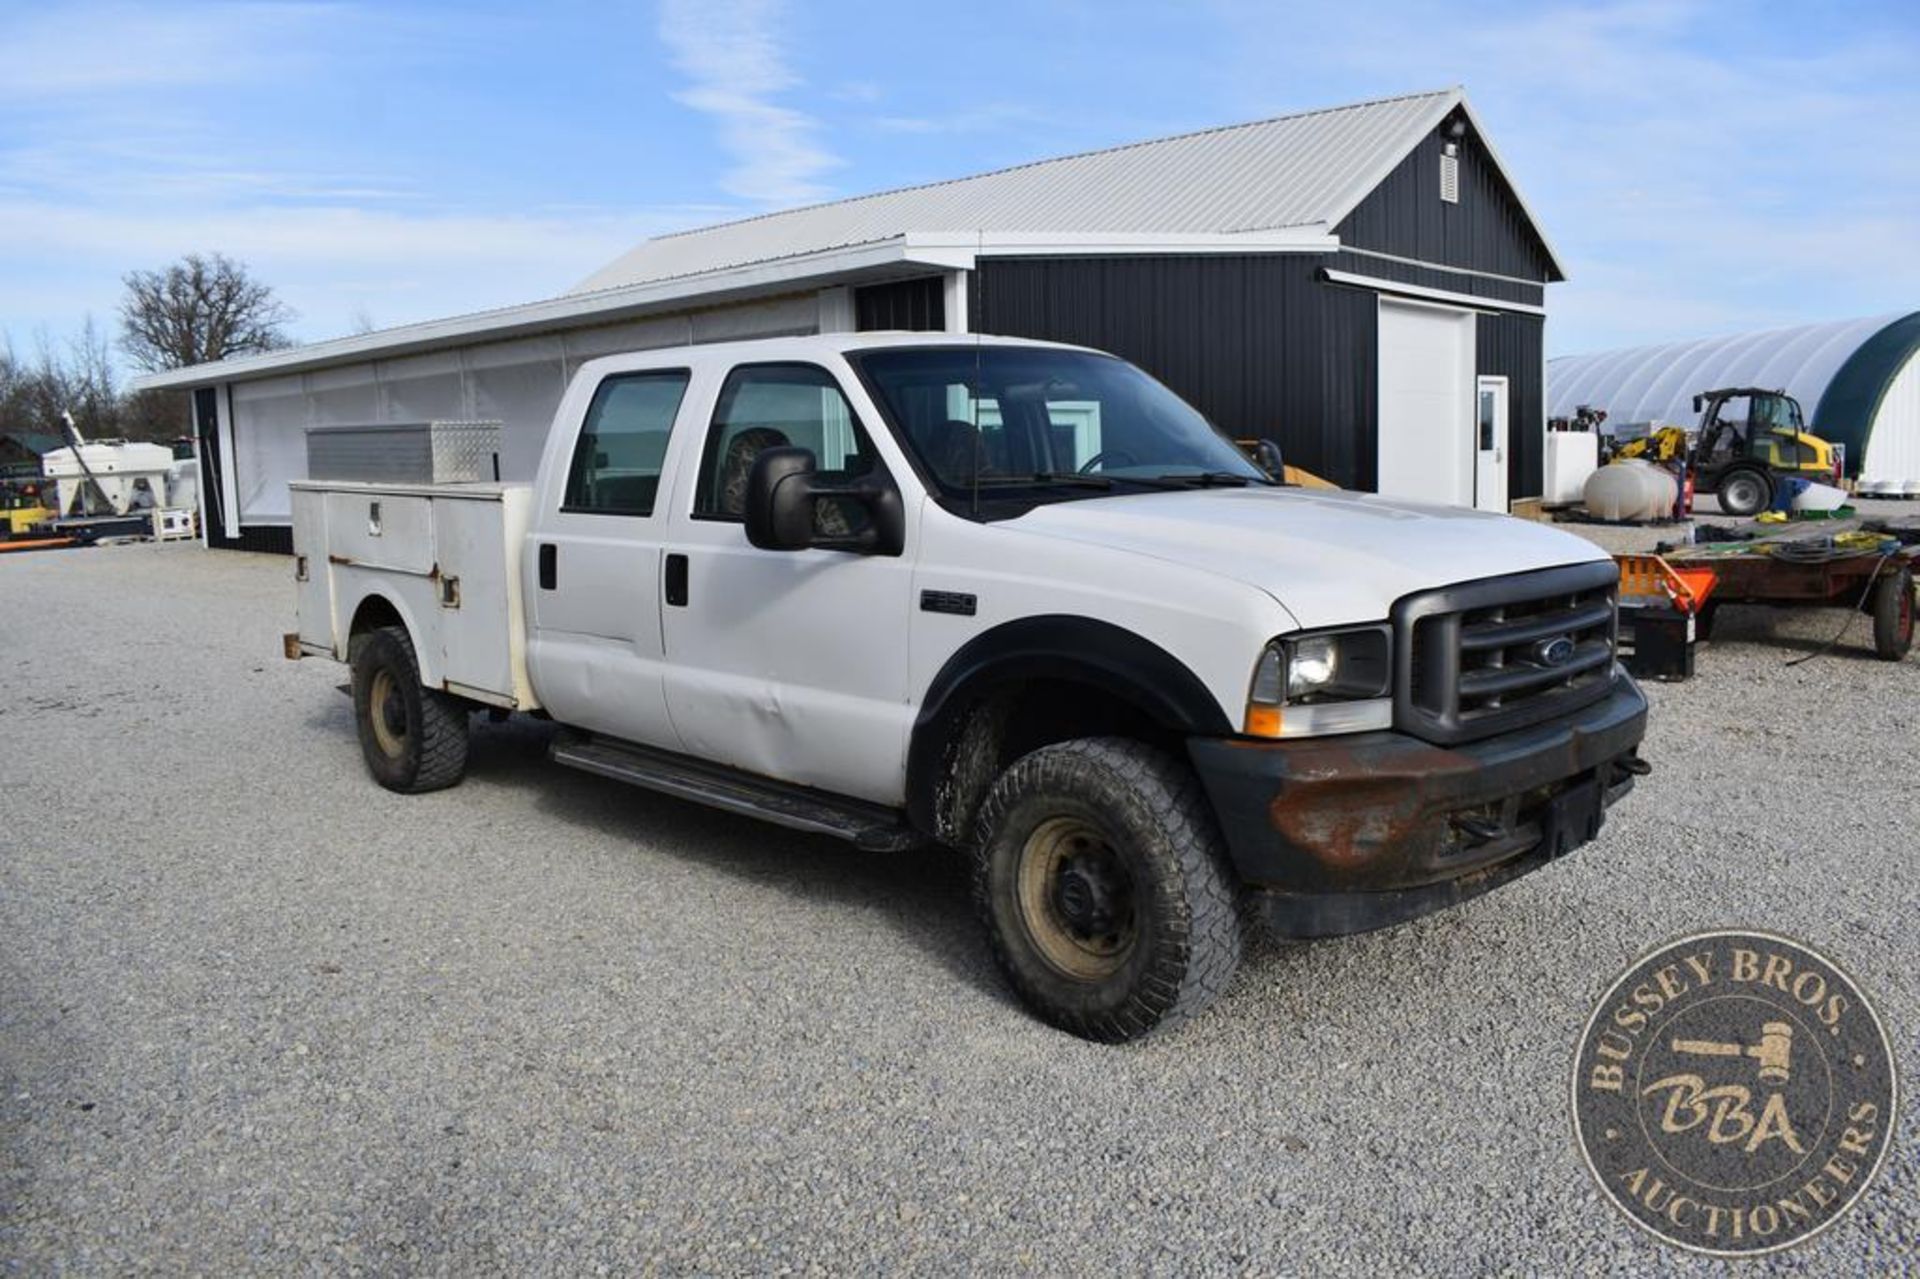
[(1848, 570)]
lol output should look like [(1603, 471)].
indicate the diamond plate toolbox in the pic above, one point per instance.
[(405, 452)]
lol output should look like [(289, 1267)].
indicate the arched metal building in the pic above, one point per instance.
[(1859, 381)]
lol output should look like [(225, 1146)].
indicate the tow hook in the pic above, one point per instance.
[(1480, 830), (1633, 766)]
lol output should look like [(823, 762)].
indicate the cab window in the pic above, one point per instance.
[(767, 406), (623, 442)]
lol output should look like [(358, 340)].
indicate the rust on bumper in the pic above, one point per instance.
[(1374, 816)]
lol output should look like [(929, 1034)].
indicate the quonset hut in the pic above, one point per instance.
[(1858, 381)]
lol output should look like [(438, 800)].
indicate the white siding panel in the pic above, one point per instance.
[(518, 384), (1893, 450), (344, 397), (423, 388), (270, 420)]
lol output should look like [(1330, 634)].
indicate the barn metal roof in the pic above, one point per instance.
[(1274, 185), (1304, 171)]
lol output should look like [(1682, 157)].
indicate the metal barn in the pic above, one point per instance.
[(1363, 285)]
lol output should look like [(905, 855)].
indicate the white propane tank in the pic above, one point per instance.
[(1630, 491)]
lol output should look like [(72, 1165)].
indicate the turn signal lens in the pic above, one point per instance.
[(1265, 695), (1262, 721)]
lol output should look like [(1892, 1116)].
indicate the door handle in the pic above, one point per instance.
[(549, 566), (676, 580)]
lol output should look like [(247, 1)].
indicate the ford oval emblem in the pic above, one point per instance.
[(1557, 651)]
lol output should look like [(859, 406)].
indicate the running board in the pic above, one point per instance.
[(868, 826)]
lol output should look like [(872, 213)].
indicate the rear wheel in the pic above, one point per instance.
[(414, 738), (1893, 615), (1105, 888), (1745, 493)]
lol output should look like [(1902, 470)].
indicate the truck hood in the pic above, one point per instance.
[(1328, 556)]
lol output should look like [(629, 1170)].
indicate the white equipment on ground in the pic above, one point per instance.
[(1630, 491), (1571, 457), (107, 477)]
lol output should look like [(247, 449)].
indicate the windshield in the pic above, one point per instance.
[(1031, 418)]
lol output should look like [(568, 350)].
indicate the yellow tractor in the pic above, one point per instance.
[(21, 507), (1749, 442)]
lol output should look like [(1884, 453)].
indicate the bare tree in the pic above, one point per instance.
[(201, 308)]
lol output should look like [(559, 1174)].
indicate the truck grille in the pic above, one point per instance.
[(1494, 655)]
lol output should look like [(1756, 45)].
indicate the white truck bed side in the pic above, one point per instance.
[(446, 557)]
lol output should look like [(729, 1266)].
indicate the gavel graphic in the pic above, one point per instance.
[(1773, 1052)]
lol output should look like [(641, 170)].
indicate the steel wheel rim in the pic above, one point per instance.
[(385, 706), (1744, 493), (1076, 899)]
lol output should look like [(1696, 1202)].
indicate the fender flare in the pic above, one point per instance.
[(1109, 659)]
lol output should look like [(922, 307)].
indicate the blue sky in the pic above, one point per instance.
[(1701, 167)]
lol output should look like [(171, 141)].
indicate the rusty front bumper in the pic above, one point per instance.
[(1347, 834)]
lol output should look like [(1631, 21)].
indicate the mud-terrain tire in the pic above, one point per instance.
[(1105, 888), (1893, 615), (414, 738)]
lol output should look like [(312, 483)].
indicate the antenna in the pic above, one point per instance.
[(979, 444)]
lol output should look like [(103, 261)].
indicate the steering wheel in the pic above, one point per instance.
[(1119, 455)]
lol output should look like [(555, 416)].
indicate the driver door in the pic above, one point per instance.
[(791, 664)]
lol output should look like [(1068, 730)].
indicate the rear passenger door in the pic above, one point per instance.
[(596, 650)]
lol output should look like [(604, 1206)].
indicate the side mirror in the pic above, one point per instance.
[(784, 496), (1267, 456), (1699, 402)]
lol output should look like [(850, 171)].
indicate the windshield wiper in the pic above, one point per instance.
[(1211, 479), (1072, 477)]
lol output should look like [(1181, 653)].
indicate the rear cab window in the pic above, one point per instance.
[(618, 456)]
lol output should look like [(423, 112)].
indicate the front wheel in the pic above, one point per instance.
[(1104, 885), (414, 738), (1893, 615), (1744, 494)]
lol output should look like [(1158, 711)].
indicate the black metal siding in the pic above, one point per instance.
[(1513, 345), (920, 305), (1256, 342), (1486, 231)]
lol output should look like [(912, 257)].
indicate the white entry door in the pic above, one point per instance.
[(1426, 440), (1492, 426)]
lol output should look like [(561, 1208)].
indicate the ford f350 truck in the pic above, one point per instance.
[(1009, 597)]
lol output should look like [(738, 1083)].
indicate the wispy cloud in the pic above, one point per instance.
[(732, 55), (105, 48)]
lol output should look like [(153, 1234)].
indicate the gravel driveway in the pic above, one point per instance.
[(257, 1015)]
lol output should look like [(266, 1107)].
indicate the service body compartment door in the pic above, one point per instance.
[(477, 594), (376, 529), (313, 583)]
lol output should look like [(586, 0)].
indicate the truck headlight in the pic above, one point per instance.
[(1324, 682)]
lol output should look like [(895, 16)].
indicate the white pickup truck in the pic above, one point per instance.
[(1013, 598)]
